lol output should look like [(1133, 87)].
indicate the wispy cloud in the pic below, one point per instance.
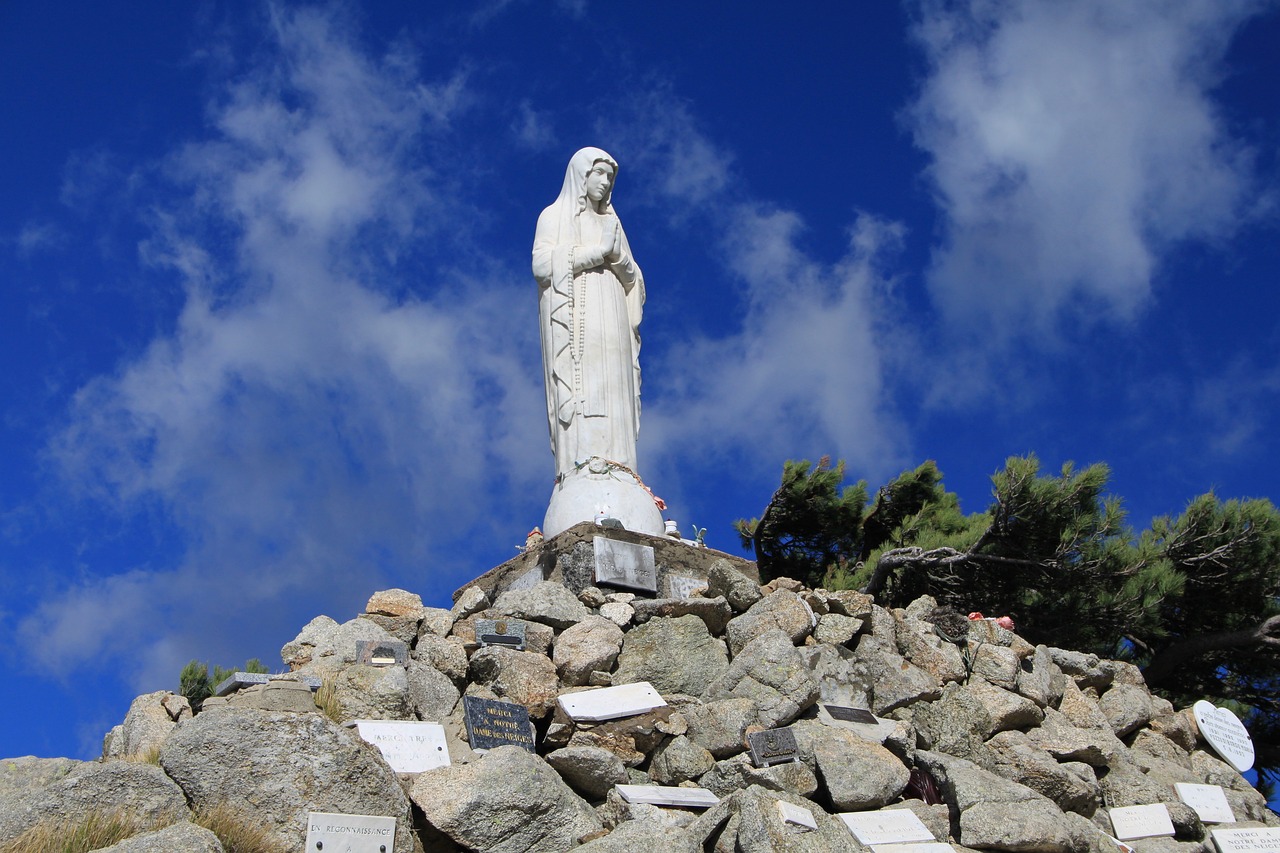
[(1072, 144), (313, 422)]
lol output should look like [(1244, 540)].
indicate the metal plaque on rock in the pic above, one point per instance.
[(851, 715), (491, 724), (625, 564), (350, 833), (382, 652), (773, 746), (501, 632), (408, 747)]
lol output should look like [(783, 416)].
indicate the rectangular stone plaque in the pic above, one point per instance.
[(773, 746), (887, 826), (501, 632), (682, 586), (921, 847), (382, 652), (492, 724), (350, 833), (659, 795), (1132, 822), (625, 564), (1208, 801), (794, 815), (851, 715), (407, 747), (609, 703), (1260, 840)]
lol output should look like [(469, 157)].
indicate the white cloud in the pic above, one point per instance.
[(307, 427), (1072, 144)]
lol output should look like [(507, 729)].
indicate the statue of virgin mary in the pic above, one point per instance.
[(590, 300)]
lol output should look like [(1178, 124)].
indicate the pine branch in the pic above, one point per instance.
[(1168, 660)]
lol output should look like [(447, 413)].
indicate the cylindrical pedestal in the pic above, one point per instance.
[(596, 487)]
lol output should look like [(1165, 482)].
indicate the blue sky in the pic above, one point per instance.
[(269, 333)]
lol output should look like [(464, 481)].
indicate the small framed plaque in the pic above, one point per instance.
[(501, 632), (491, 724), (773, 746), (624, 564), (382, 652)]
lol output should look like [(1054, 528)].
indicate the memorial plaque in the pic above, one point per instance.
[(625, 564), (1208, 801), (1132, 822), (407, 747), (382, 652), (773, 746), (609, 703), (794, 815), (682, 586), (491, 724), (916, 847), (660, 795), (350, 833), (1225, 733), (1260, 840), (887, 826), (501, 632), (851, 715)]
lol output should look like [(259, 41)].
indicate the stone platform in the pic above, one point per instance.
[(569, 558)]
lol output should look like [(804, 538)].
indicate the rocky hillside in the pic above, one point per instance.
[(992, 743)]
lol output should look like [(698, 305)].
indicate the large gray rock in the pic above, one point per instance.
[(522, 677), (891, 680), (547, 602), (365, 692), (323, 646), (140, 791), (1065, 742), (276, 767), (920, 644), (507, 802), (445, 654), (589, 770), (675, 655), (840, 681), (720, 727), (734, 774), (713, 611), (146, 725), (184, 837), (967, 715), (856, 774), (593, 644), (1127, 707), (771, 673), (643, 835), (749, 821), (739, 590), (679, 760), (782, 610), (18, 776), (1040, 679), (1072, 786), (432, 694)]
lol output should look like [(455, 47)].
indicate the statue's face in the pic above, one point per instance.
[(599, 179)]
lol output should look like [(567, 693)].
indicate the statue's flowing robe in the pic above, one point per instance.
[(590, 322)]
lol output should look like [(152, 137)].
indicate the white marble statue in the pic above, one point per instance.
[(590, 299)]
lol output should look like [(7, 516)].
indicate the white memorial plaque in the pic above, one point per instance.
[(407, 747), (660, 795), (625, 564), (921, 847), (888, 826), (350, 833), (1141, 821), (682, 586), (1259, 840), (1225, 733), (609, 703), (796, 815), (1208, 801)]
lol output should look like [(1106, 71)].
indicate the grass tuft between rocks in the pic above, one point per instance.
[(237, 831), (92, 831), (327, 700)]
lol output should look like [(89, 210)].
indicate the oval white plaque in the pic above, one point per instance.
[(1225, 733)]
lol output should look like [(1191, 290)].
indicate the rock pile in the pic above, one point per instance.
[(992, 743)]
